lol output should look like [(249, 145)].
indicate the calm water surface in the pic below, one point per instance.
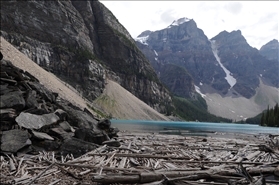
[(191, 128)]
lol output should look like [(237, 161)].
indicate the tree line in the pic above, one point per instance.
[(270, 117)]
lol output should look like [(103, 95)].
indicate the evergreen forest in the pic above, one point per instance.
[(270, 117)]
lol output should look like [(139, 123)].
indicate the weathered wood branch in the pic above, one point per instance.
[(146, 177)]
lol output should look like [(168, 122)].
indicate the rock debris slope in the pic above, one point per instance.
[(121, 103)]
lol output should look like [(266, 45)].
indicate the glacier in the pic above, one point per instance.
[(230, 79)]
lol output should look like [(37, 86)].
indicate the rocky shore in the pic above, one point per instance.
[(34, 119)]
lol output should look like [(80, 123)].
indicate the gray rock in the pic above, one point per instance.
[(104, 124), (61, 114), (14, 140), (12, 100), (77, 147), (6, 125), (88, 135), (31, 100), (32, 121), (113, 132), (7, 114), (66, 126), (41, 135), (43, 91), (60, 133)]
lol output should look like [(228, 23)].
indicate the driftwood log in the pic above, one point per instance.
[(146, 158)]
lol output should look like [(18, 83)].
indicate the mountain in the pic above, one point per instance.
[(270, 50), (185, 45), (245, 63), (224, 69), (83, 44)]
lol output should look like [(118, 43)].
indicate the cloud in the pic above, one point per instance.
[(168, 16), (233, 7)]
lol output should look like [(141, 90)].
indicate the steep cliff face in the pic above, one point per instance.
[(244, 62), (179, 81), (82, 43), (185, 45)]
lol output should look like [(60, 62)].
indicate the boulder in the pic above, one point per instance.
[(6, 125), (61, 114), (113, 132), (66, 126), (31, 100), (93, 136), (43, 91), (14, 140), (32, 121), (76, 147), (4, 89), (41, 135), (60, 133), (7, 114), (12, 100), (104, 124)]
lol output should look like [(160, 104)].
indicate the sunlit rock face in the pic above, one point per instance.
[(82, 43)]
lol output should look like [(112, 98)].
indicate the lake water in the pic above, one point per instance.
[(191, 128)]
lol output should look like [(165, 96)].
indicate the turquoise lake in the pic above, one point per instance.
[(191, 128)]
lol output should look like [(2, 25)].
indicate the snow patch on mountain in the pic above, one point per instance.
[(179, 21), (155, 53), (198, 90), (142, 40), (230, 79)]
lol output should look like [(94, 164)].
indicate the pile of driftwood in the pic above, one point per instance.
[(146, 158)]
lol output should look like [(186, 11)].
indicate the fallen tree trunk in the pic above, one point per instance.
[(147, 177), (144, 156)]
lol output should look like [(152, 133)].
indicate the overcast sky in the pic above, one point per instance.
[(257, 20)]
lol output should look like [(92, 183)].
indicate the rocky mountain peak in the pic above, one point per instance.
[(232, 38), (270, 50), (187, 47), (179, 21)]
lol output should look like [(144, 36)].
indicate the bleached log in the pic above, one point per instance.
[(17, 180), (145, 156), (97, 150), (153, 176), (33, 180), (108, 160), (55, 182), (12, 165), (123, 161), (80, 160), (85, 172)]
